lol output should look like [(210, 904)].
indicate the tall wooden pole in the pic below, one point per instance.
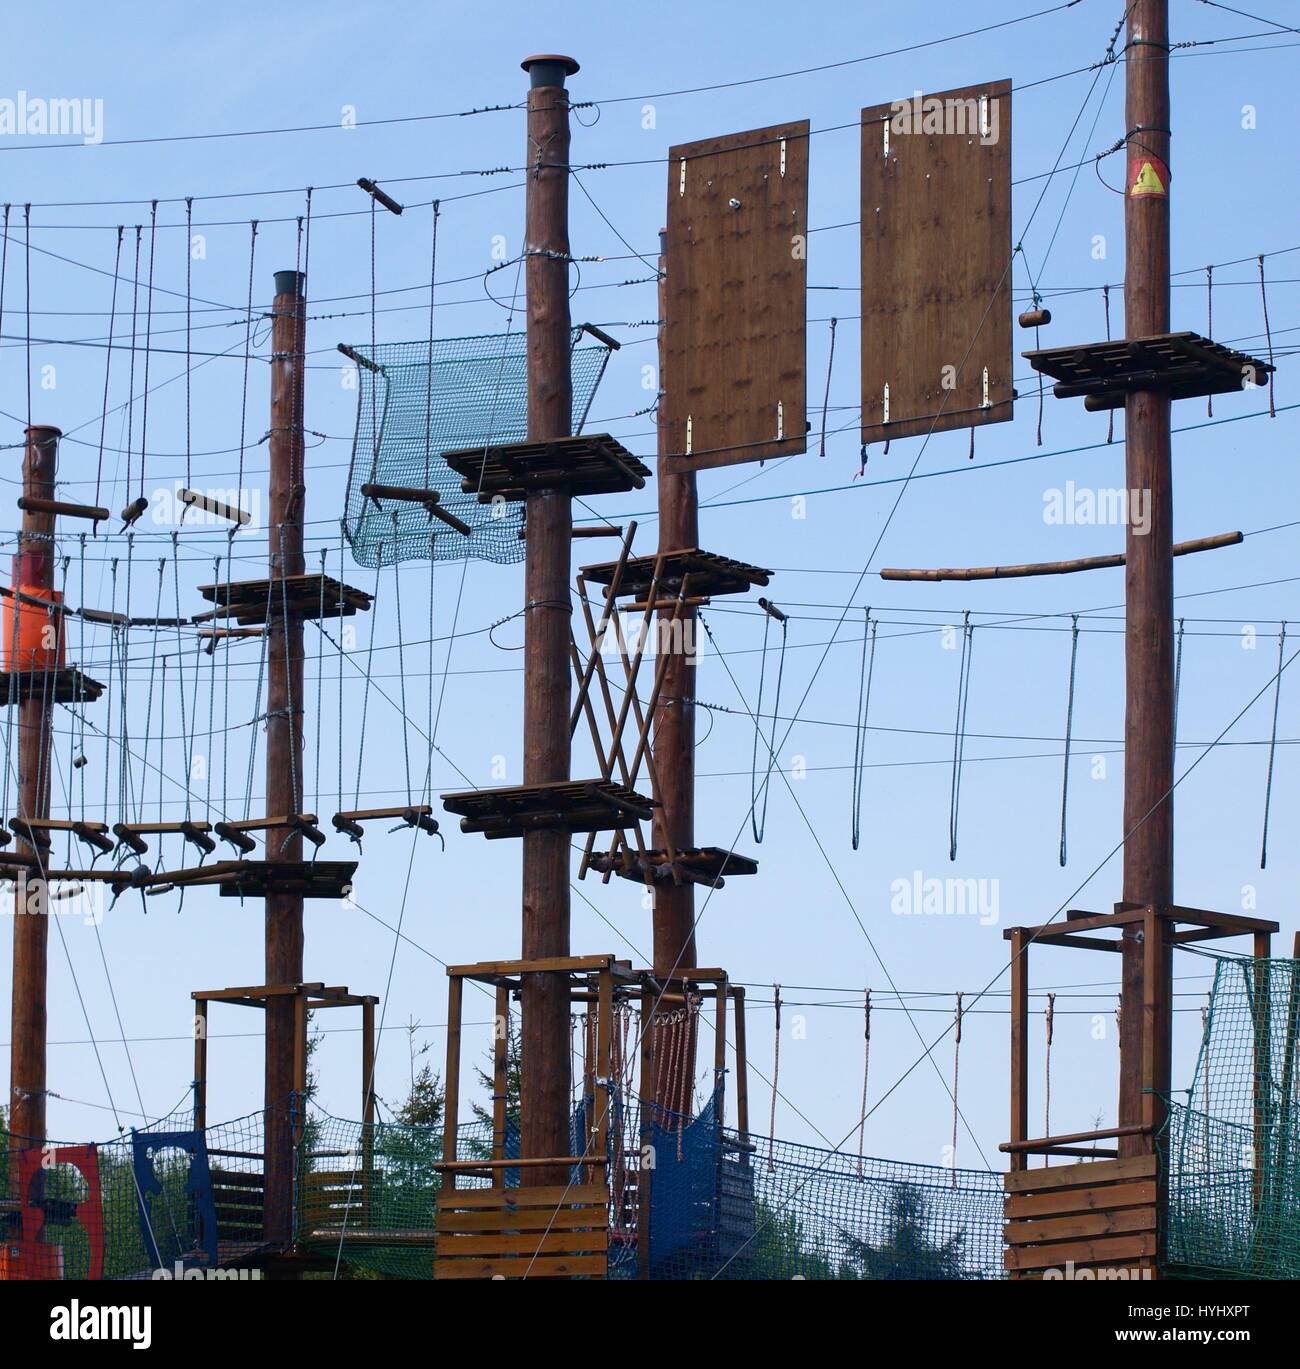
[(674, 737), (284, 736), (33, 569), (544, 1049), (1148, 577)]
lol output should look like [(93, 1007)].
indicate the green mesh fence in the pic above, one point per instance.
[(1233, 1149), (463, 392)]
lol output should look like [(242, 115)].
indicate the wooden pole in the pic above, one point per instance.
[(284, 736), (1148, 578), (673, 827), (544, 1051), (33, 567)]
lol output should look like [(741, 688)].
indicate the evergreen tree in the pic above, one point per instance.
[(907, 1250)]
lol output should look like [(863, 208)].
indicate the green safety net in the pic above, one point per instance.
[(425, 400), (1233, 1147)]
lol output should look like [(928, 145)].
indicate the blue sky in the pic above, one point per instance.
[(819, 913)]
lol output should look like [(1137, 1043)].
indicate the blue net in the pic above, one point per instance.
[(423, 401)]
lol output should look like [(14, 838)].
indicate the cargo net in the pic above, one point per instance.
[(1233, 1148), (722, 1206), (423, 401)]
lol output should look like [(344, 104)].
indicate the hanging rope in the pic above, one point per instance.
[(866, 671), (108, 366), (428, 395), (130, 387), (1178, 678), (1049, 1019), (826, 396), (189, 258), (959, 733), (1037, 346), (401, 664), (1105, 300), (866, 1070), (1268, 337), (1209, 327), (757, 820), (776, 1074), (365, 697), (1272, 748), (27, 282), (248, 348), (148, 346), (1069, 728), (956, 1076)]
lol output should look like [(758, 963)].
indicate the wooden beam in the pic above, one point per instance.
[(1223, 539)]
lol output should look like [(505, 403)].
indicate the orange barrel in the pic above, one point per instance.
[(36, 640)]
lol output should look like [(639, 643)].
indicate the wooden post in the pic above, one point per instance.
[(200, 1064), (1148, 575), (451, 1087), (284, 734), (34, 567), (1019, 1045), (673, 827), (742, 1065), (646, 1113), (674, 723), (544, 1052)]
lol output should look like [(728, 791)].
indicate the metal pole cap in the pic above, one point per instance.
[(548, 68)]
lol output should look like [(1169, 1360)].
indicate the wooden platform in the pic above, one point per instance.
[(549, 1232), (710, 574), (1184, 365), (589, 464), (253, 601), (1096, 1216), (566, 805), (310, 879), (65, 686), (705, 865)]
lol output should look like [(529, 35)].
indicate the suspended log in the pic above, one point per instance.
[(386, 200), (32, 504), (134, 511), (1223, 539), (231, 512)]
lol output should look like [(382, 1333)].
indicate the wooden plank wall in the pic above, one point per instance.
[(735, 315), (936, 265)]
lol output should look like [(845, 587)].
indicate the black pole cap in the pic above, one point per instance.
[(291, 283), (548, 69)]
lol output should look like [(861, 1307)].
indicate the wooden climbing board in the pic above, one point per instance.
[(306, 596), (1184, 365), (566, 805), (67, 686), (710, 574), (707, 865), (585, 465), (936, 262), (546, 1232), (735, 314)]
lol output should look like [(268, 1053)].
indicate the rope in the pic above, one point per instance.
[(428, 400), (956, 1074), (1178, 677), (401, 664), (1048, 1018), (1105, 300), (365, 696), (776, 1074), (189, 259), (866, 1068), (1069, 728), (826, 397), (959, 733), (1209, 327), (27, 283), (130, 386), (148, 347), (757, 817), (1037, 346), (108, 364), (248, 348), (1272, 748), (866, 671), (1268, 336)]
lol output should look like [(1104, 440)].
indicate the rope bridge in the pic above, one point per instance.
[(417, 400)]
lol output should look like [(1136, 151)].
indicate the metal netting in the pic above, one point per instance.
[(424, 400), (1233, 1149)]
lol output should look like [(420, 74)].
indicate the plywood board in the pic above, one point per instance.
[(735, 315), (936, 262)]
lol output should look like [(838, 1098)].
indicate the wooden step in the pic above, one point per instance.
[(593, 463), (565, 805)]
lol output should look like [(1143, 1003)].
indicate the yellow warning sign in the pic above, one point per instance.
[(1148, 176)]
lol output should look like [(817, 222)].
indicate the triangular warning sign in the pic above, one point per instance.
[(1147, 181)]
